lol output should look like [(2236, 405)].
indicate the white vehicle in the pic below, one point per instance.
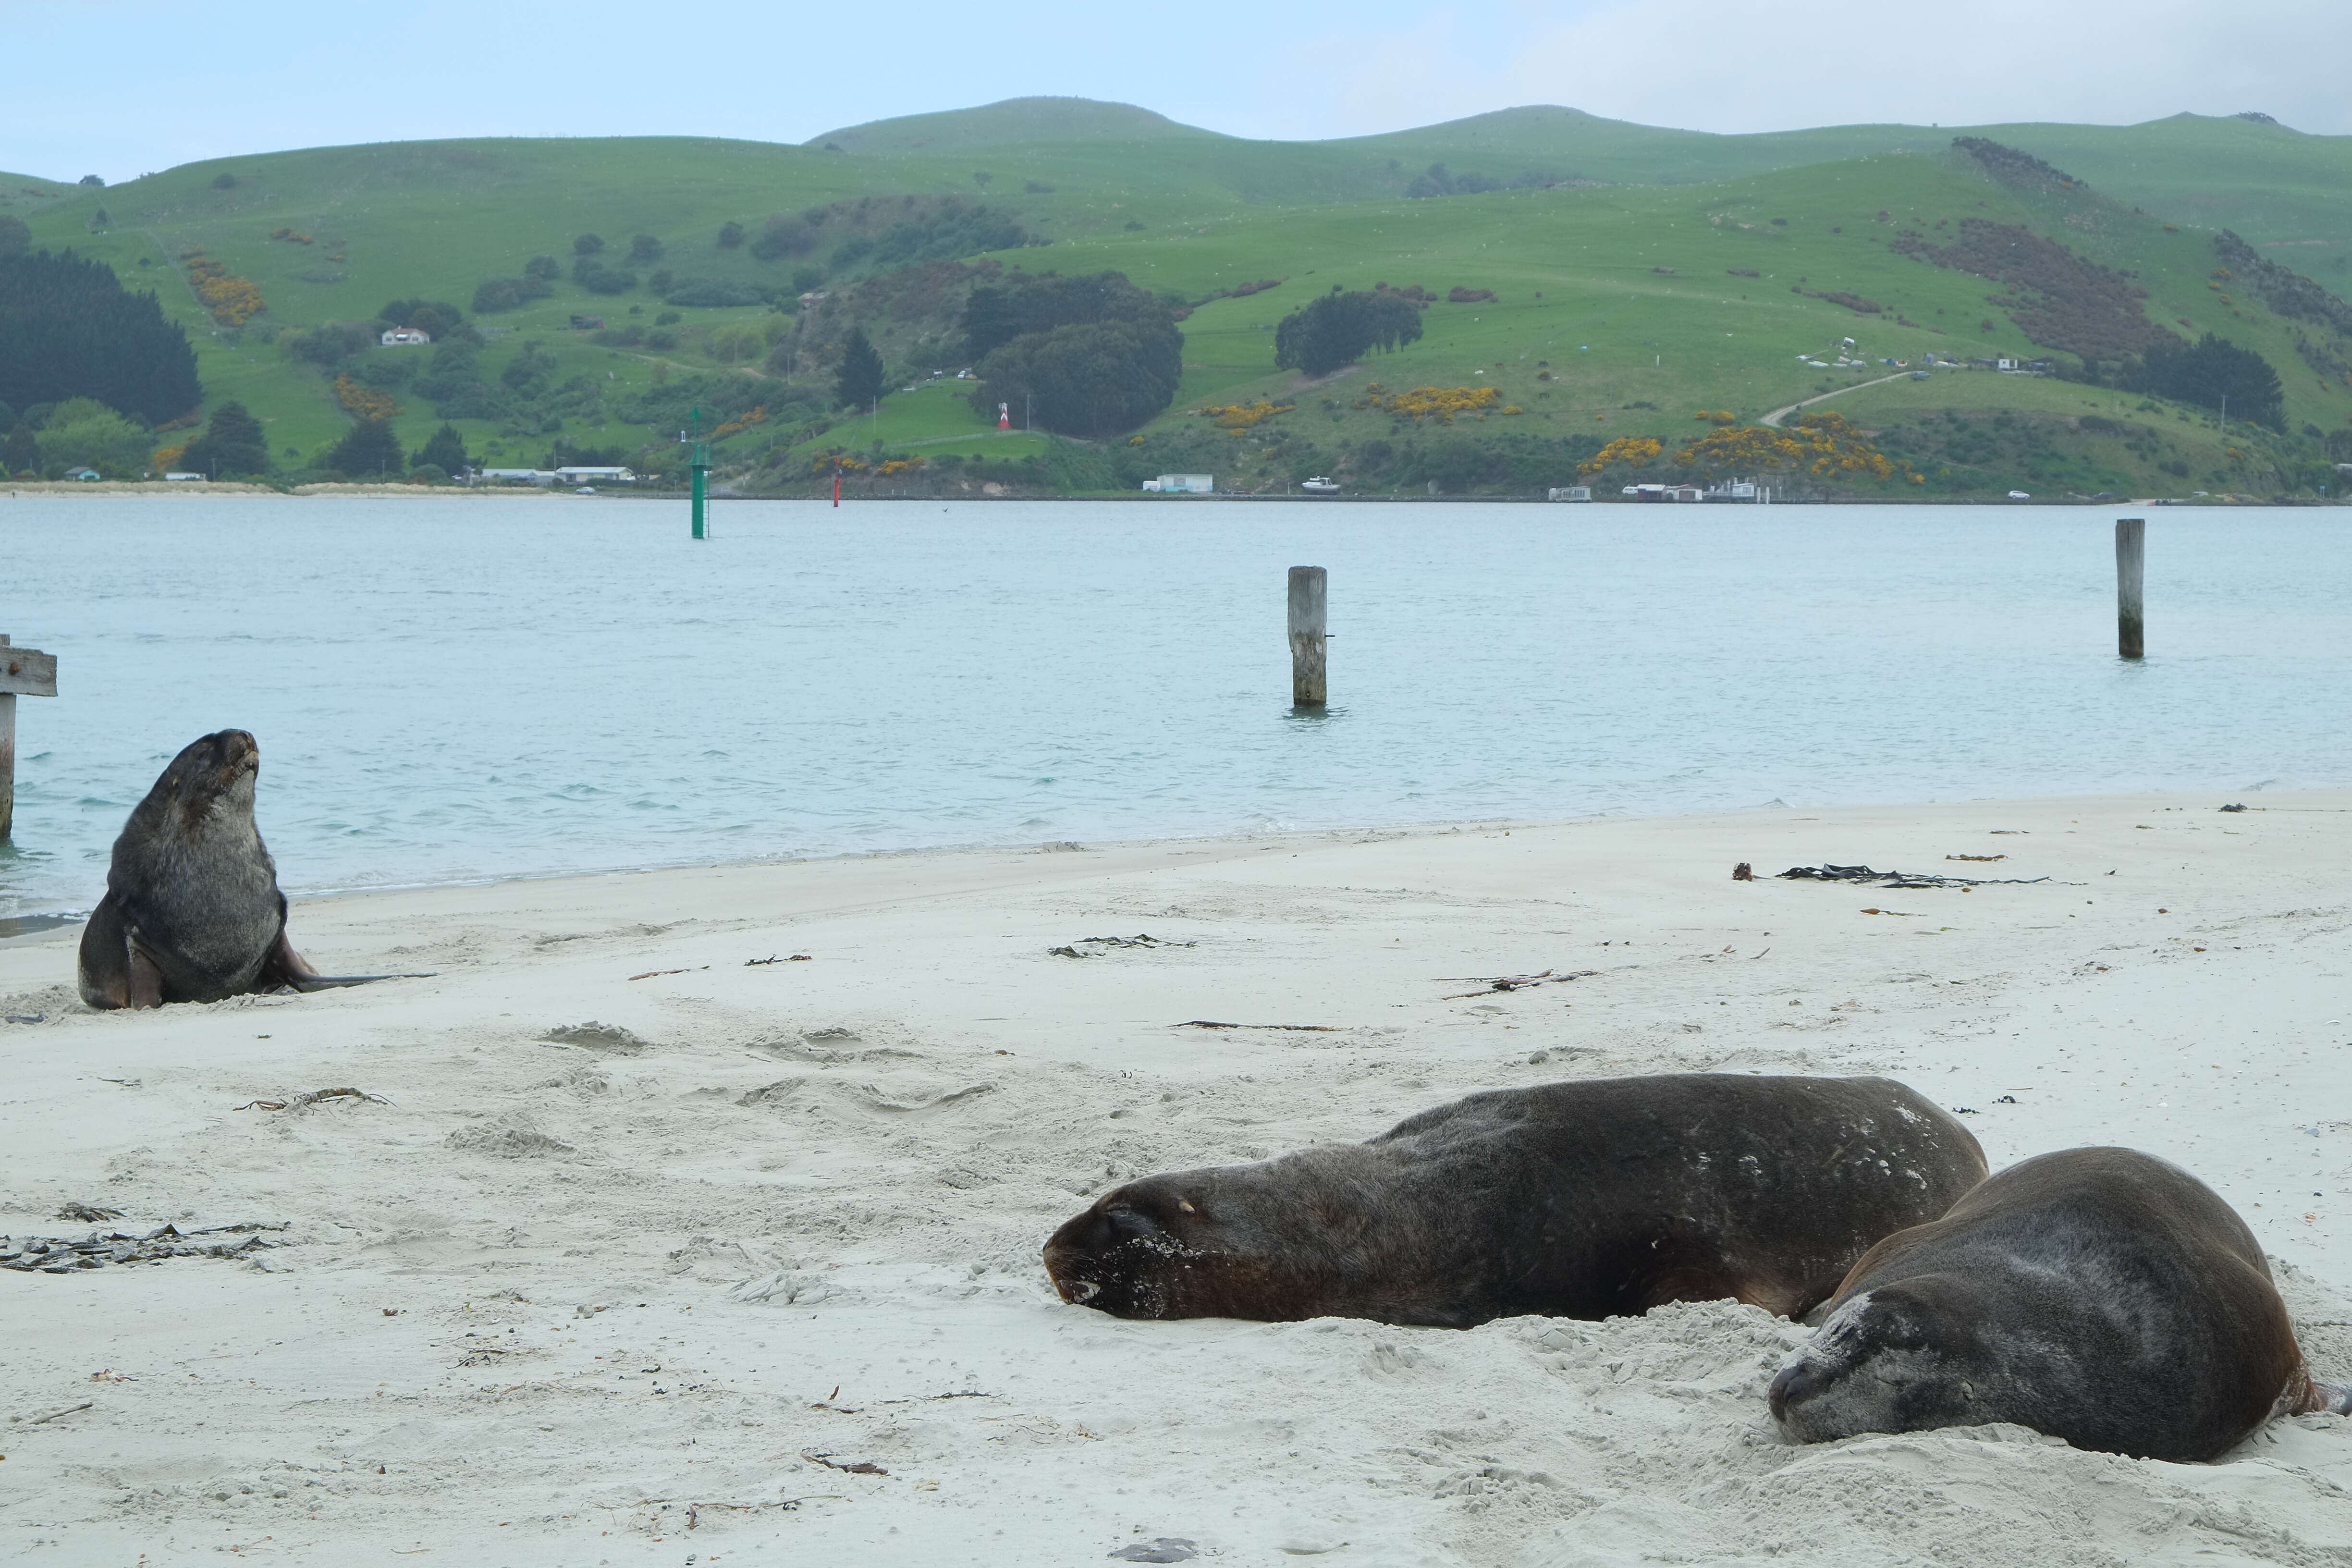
[(1320, 485), (2018, 495)]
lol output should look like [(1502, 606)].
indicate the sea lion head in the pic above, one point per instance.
[(213, 774), (1899, 1357), (1300, 1236)]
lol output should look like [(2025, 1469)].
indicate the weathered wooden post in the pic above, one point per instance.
[(2131, 552), (1309, 588), (24, 673)]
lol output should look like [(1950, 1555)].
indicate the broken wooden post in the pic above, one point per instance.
[(1309, 588), (2131, 542), (24, 673)]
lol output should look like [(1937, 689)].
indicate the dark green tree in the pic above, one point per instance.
[(446, 450), (233, 443), (2210, 372), (644, 249), (731, 234), (859, 380), (369, 450), (1340, 328), (588, 245), (1091, 355), (14, 238), (67, 330), (20, 453)]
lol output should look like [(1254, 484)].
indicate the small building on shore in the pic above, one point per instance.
[(1183, 484), (405, 337), (596, 476), (1569, 492)]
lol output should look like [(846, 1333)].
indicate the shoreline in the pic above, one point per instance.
[(658, 1226), (139, 489)]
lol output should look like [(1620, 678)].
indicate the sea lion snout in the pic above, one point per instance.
[(1795, 1383), (1109, 1258)]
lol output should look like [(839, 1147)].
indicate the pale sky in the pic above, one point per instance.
[(119, 86)]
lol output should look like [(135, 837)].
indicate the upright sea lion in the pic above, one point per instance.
[(1575, 1200), (2099, 1295), (192, 910)]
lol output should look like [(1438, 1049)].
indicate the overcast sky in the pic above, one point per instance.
[(118, 87)]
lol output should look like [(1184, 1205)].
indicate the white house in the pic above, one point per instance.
[(576, 476), (182, 478), (518, 475), (1570, 492), (1184, 484), (402, 337)]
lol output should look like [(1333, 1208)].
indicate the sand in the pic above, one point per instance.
[(660, 1254)]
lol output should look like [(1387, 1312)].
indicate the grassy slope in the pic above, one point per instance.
[(1580, 292), (435, 218)]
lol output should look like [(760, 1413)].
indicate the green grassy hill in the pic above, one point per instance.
[(1690, 279)]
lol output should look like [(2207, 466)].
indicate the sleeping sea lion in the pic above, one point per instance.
[(192, 910), (1595, 1199), (2101, 1296)]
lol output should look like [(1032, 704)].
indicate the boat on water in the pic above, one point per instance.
[(1321, 485)]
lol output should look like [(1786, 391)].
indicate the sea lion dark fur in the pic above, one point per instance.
[(192, 910), (2101, 1296), (1577, 1200)]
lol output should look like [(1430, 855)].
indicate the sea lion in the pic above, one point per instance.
[(2101, 1296), (1593, 1199), (192, 910)]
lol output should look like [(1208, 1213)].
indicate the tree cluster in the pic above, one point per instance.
[(1341, 327), (1090, 356), (2210, 372), (69, 330), (1441, 182)]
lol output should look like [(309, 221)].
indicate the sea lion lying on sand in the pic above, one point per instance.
[(2099, 1295), (192, 910), (1577, 1200)]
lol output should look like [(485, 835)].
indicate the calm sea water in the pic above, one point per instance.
[(485, 688)]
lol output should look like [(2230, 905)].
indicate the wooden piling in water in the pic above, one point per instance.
[(2131, 554), (1309, 589), (26, 672)]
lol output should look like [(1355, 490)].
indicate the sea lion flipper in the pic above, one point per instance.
[(102, 968), (329, 982), (2323, 1398), (284, 966)]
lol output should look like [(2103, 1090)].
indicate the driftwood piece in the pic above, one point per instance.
[(1490, 983), (1295, 1028), (302, 1101)]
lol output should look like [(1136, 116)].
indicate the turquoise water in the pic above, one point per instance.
[(446, 691)]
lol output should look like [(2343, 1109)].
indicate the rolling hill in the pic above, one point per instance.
[(1668, 272)]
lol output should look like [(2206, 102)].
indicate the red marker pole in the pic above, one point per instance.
[(836, 481)]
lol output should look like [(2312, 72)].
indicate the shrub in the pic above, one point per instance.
[(546, 268), (644, 251), (588, 245), (733, 345), (731, 234), (599, 279), (332, 343), (83, 431), (785, 234), (1096, 354)]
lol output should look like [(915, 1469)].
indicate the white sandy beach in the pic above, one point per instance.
[(636, 1297)]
